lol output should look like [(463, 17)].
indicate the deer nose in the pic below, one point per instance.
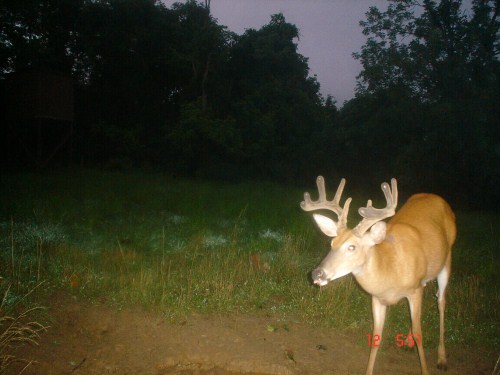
[(317, 275)]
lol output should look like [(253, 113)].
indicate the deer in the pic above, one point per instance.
[(392, 260)]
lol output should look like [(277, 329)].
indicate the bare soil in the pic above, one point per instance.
[(90, 338)]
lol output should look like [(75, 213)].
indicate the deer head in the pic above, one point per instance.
[(349, 248)]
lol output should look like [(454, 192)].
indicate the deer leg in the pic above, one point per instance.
[(415, 301), (378, 310), (442, 279)]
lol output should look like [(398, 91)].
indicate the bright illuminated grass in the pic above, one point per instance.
[(178, 246)]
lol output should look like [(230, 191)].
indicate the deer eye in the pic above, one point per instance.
[(351, 248)]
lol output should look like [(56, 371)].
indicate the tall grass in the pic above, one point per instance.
[(178, 247), (18, 309), (16, 331)]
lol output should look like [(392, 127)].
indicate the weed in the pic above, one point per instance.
[(16, 331)]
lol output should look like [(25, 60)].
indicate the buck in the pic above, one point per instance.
[(390, 260)]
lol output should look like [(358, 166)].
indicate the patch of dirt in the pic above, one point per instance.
[(93, 339)]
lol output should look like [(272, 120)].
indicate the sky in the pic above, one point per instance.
[(329, 33)]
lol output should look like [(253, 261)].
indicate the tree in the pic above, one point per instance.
[(202, 47), (437, 55), (275, 103), (264, 110), (37, 34), (446, 61), (126, 64)]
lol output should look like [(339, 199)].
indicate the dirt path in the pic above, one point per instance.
[(93, 339)]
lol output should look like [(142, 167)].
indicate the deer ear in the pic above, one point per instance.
[(378, 232), (327, 225)]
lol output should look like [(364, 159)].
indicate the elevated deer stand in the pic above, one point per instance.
[(40, 114)]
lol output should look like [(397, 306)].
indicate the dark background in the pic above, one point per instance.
[(171, 90)]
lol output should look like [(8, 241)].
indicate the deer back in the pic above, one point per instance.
[(430, 224)]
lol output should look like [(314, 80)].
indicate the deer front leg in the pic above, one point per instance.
[(378, 310), (415, 301)]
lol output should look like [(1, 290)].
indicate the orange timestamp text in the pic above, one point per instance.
[(401, 340)]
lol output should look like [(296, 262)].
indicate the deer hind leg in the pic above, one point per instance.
[(415, 301), (442, 280), (378, 310)]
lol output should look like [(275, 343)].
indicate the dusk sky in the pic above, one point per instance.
[(329, 33)]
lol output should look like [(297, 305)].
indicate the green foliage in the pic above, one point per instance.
[(202, 143), (440, 54), (427, 107)]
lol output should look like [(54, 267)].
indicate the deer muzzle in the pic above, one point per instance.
[(319, 277)]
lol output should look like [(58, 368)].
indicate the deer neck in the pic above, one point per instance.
[(375, 274)]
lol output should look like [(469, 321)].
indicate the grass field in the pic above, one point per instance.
[(177, 246)]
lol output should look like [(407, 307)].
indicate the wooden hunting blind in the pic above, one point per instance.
[(40, 112)]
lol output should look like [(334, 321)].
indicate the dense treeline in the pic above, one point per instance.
[(170, 88)]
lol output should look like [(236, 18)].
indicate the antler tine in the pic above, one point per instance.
[(372, 215), (322, 203)]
